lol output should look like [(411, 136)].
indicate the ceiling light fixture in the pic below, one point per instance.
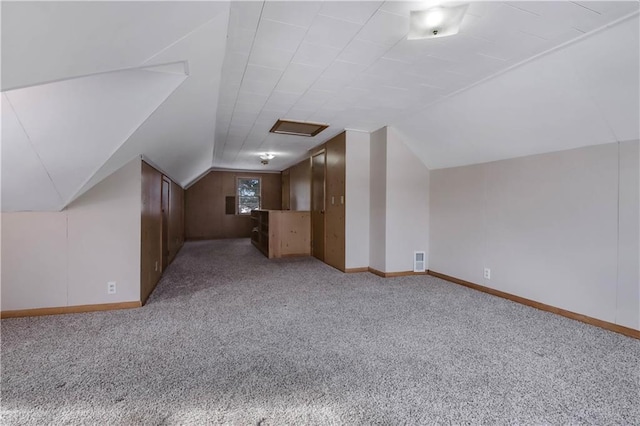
[(435, 22), (267, 156)]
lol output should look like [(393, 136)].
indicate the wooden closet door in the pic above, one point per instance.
[(318, 204), (335, 202)]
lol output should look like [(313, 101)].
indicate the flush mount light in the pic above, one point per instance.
[(435, 22), (298, 128), (267, 156)]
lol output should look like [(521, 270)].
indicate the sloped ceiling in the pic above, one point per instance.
[(520, 78)]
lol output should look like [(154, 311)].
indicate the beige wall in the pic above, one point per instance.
[(407, 218), (55, 259), (547, 226), (357, 193), (378, 199)]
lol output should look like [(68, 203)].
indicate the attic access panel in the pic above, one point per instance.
[(298, 128)]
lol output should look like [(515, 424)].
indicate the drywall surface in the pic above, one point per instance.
[(104, 239), (357, 199), (628, 303), (56, 259), (546, 225), (377, 199), (34, 260), (407, 205)]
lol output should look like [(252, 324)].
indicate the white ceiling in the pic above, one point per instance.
[(344, 63)]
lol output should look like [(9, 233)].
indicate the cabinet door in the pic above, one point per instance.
[(335, 202)]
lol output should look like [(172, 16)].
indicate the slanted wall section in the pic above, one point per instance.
[(60, 259)]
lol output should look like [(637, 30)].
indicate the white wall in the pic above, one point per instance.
[(378, 199), (628, 301), (357, 199), (55, 259), (547, 226), (407, 205)]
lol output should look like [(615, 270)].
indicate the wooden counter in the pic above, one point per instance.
[(281, 233)]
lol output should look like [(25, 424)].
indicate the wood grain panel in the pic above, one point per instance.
[(286, 193), (318, 170), (300, 186), (176, 220), (205, 216), (335, 202), (151, 230), (544, 307)]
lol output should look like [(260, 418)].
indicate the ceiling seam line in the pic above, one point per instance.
[(78, 192), (179, 40), (33, 147), (244, 72), (92, 74), (341, 51)]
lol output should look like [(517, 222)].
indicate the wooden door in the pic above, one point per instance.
[(165, 222), (317, 204), (334, 222)]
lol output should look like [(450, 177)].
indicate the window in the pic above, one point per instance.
[(248, 192)]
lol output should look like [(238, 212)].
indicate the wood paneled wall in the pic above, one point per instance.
[(151, 242), (152, 226), (299, 187), (176, 220), (205, 216)]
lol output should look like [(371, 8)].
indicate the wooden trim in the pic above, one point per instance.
[(69, 309), (630, 332), (395, 274), (355, 270)]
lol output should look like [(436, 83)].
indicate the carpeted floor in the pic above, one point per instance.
[(229, 337)]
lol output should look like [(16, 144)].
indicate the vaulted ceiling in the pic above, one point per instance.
[(87, 86)]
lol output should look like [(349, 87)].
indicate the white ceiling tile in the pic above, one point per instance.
[(279, 35), (385, 28), (271, 57), (281, 100), (387, 68), (251, 98), (259, 87), (341, 70), (363, 52), (248, 107), (611, 8), (259, 73), (299, 13), (297, 78), (314, 98), (244, 14), (241, 41), (358, 12), (331, 32), (315, 55), (402, 8)]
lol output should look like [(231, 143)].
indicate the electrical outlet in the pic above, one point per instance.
[(111, 287), (487, 273), (156, 265)]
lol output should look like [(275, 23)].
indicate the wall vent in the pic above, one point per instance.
[(419, 264)]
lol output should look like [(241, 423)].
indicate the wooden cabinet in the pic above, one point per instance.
[(280, 233)]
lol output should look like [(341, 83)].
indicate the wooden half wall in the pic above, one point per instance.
[(205, 213)]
